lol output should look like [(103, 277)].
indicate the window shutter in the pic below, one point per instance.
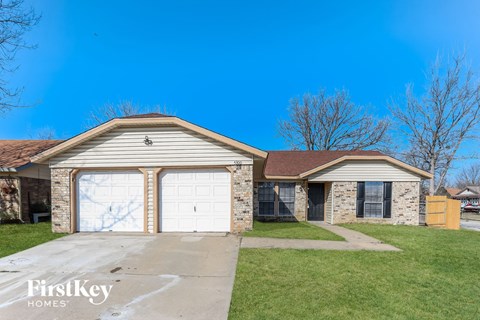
[(360, 198), (387, 199)]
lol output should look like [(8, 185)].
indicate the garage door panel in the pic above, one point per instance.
[(110, 201), (184, 176), (205, 224), (221, 176), (185, 208), (184, 191), (204, 208), (170, 224), (202, 176), (194, 200), (220, 207), (203, 191), (135, 192), (221, 190), (186, 224), (169, 191)]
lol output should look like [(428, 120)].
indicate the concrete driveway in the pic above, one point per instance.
[(164, 276)]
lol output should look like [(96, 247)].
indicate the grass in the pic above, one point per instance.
[(290, 230), (436, 276), (18, 237)]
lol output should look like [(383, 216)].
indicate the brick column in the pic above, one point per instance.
[(61, 200)]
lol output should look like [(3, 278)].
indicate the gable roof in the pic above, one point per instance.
[(452, 191), (300, 164), (17, 153), (143, 120), (473, 190)]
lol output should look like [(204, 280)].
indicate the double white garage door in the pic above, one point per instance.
[(189, 200)]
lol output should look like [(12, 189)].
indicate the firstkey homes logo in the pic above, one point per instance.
[(56, 295)]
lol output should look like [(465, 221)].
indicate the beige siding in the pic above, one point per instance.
[(373, 170), (328, 202), (172, 146), (37, 171)]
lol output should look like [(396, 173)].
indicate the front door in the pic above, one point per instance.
[(316, 200)]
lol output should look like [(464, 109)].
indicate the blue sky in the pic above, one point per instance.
[(230, 66)]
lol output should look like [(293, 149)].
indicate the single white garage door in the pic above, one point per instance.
[(110, 201), (195, 200)]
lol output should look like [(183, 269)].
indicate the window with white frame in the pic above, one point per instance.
[(266, 198), (373, 206), (286, 199)]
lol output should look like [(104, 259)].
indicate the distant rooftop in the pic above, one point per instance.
[(147, 115)]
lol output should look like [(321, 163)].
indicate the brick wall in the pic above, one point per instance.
[(344, 198), (301, 199), (405, 204), (9, 198), (242, 198)]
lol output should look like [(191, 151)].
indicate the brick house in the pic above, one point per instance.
[(155, 173), (24, 186)]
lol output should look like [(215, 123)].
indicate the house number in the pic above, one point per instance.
[(238, 163)]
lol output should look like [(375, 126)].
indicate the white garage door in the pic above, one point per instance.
[(110, 201), (195, 200)]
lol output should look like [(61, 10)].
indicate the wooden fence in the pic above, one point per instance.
[(442, 212)]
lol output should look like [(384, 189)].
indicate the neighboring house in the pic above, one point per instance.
[(24, 186), (449, 192), (469, 194), (155, 173)]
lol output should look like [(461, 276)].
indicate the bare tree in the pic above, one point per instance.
[(446, 115), (468, 176), (321, 122), (45, 133), (15, 21), (122, 109)]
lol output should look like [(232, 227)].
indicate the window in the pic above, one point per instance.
[(266, 198), (286, 199), (374, 199), (373, 206), (276, 198)]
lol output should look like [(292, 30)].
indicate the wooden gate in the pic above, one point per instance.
[(442, 212)]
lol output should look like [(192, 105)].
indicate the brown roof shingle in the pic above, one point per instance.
[(452, 191), (16, 153), (294, 163)]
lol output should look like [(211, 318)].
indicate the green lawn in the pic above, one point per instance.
[(436, 276), (18, 237), (290, 230)]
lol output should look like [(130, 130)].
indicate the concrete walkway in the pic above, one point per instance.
[(354, 240)]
